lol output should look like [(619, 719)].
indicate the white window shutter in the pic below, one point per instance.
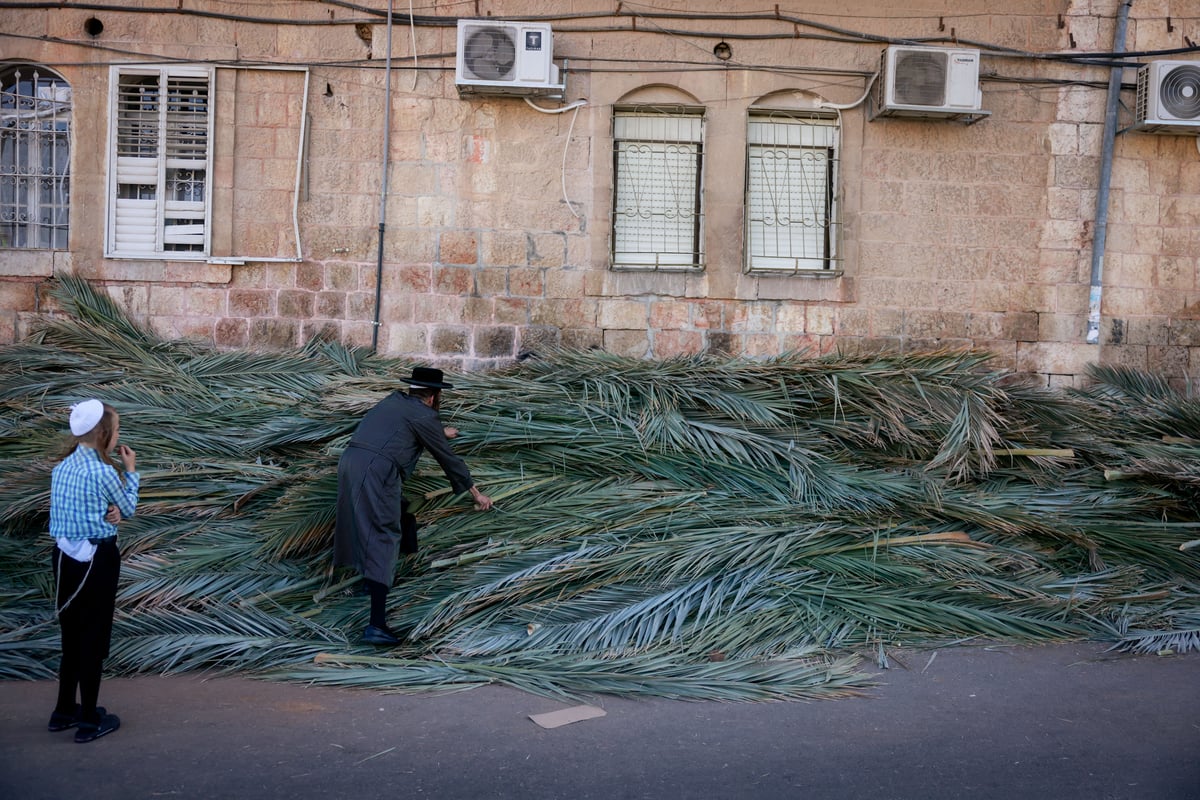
[(162, 125)]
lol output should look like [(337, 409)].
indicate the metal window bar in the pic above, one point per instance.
[(35, 159), (657, 211), (791, 181)]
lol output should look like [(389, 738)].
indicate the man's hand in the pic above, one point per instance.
[(113, 516), (451, 433), (482, 501)]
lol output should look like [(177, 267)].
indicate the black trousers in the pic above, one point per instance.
[(86, 596)]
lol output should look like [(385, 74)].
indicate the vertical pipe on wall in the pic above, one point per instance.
[(1106, 156), (387, 136)]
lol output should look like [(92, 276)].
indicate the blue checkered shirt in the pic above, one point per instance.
[(81, 489)]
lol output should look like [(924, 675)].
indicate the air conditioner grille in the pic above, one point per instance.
[(490, 54), (1179, 92), (921, 78)]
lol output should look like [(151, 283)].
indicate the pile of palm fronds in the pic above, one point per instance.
[(694, 527)]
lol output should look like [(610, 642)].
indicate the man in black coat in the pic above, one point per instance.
[(372, 524)]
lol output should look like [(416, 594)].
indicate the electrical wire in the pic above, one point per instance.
[(575, 106)]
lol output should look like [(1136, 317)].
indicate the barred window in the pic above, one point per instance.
[(791, 192), (657, 211), (35, 158), (161, 160)]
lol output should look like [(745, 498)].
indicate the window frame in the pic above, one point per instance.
[(42, 167), (627, 181), (793, 126), (180, 229)]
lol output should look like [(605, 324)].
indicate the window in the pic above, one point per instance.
[(657, 215), (791, 182), (161, 160), (35, 158)]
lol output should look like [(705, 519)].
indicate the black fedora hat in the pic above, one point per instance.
[(429, 378)]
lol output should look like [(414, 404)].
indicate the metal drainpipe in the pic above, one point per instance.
[(387, 137), (1106, 157)]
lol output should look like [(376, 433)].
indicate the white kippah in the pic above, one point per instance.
[(85, 416)]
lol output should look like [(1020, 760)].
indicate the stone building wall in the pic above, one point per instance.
[(497, 219)]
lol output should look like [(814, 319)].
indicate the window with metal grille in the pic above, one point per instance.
[(35, 158), (159, 195), (791, 192), (657, 212)]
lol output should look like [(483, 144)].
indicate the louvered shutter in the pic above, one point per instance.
[(162, 133)]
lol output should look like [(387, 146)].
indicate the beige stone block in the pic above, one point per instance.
[(1063, 138), (409, 246), (1070, 328), (526, 282), (1080, 104), (1175, 273), (449, 340), (565, 313), (512, 310), (458, 247), (633, 343), (1133, 356), (408, 338), (359, 334), (133, 299), (505, 248), (548, 250), (167, 300), (494, 341), (1150, 331), (479, 311), (435, 212), (1131, 175), (491, 282), (454, 280), (565, 283), (18, 296), (329, 305), (1061, 234), (538, 338), (669, 314), (671, 343), (627, 314), (1063, 203), (1069, 358), (360, 305), (750, 318), (413, 179), (438, 308)]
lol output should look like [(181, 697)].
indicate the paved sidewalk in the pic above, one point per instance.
[(1060, 722)]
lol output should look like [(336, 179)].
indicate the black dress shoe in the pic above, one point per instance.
[(90, 731), (62, 722), (376, 635)]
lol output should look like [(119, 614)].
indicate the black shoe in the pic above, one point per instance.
[(62, 722), (87, 731), (376, 635)]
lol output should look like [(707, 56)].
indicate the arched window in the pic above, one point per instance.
[(658, 151), (35, 157)]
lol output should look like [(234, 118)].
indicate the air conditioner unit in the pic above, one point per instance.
[(496, 57), (916, 81), (1168, 97)]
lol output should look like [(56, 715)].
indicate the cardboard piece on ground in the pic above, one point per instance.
[(566, 716)]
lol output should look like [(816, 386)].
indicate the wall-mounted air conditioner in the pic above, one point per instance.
[(496, 57), (1168, 97), (918, 81)]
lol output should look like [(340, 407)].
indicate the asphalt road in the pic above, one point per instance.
[(1059, 722)]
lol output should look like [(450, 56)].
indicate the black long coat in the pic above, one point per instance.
[(382, 453)]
